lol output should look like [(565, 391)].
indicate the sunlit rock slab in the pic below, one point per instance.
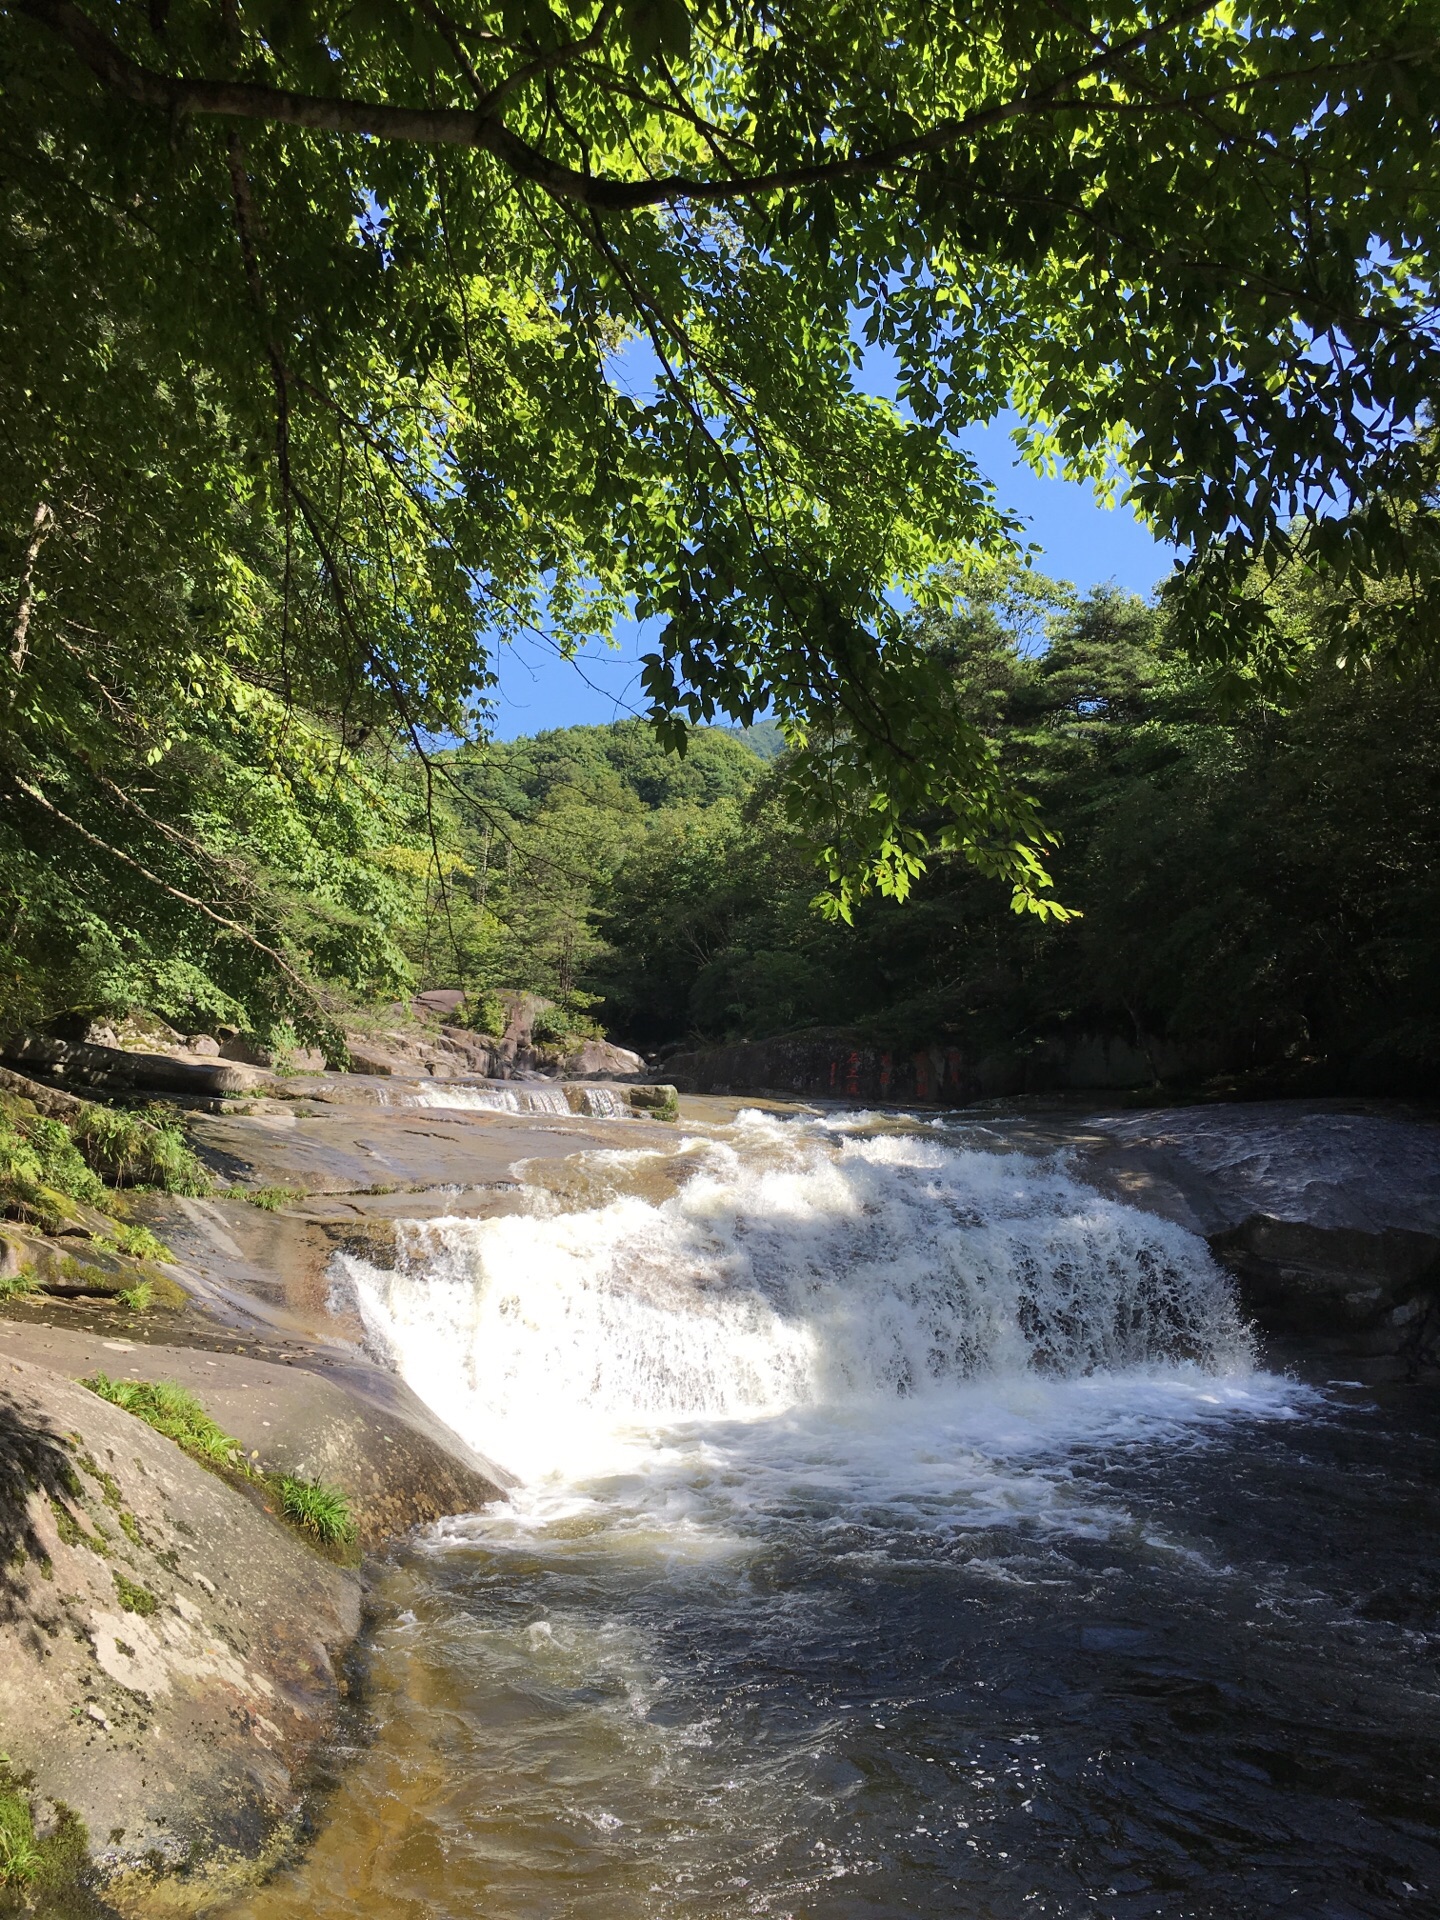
[(168, 1651)]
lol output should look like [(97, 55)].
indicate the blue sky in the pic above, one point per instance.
[(1080, 541)]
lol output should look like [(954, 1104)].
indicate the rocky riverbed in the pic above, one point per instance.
[(173, 1656)]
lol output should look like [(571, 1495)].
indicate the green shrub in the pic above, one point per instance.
[(132, 1151), (40, 1169), (549, 1028), (485, 1012), (139, 1298), (14, 1285), (317, 1509), (174, 1411)]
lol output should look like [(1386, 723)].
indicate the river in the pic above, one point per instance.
[(903, 1529)]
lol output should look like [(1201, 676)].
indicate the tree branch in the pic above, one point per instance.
[(175, 893), (481, 130), (20, 633)]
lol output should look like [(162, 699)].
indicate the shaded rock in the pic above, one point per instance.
[(49, 1101), (167, 1649), (839, 1064), (114, 1070), (1328, 1217), (444, 1001)]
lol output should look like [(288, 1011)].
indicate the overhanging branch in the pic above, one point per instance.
[(483, 131)]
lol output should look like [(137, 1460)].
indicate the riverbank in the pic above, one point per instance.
[(172, 1654), (187, 1757)]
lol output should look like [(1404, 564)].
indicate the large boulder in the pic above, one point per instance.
[(78, 1063), (600, 1060)]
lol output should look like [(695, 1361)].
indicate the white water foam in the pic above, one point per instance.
[(509, 1099), (842, 1296)]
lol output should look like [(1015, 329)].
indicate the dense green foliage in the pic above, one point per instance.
[(337, 343), (47, 1164), (1260, 887), (538, 831)]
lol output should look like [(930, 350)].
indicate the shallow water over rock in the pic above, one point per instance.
[(905, 1529)]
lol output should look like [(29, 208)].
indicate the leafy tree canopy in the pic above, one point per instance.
[(317, 331)]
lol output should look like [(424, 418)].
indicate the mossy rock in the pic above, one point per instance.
[(80, 1269), (44, 1869), (658, 1102)]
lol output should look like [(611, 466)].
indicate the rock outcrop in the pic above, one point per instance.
[(119, 1070), (168, 1650), (1328, 1216)]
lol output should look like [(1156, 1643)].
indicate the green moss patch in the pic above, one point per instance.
[(133, 1597)]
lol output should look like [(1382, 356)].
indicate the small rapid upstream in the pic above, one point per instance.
[(903, 1529)]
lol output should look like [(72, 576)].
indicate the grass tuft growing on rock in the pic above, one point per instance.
[(13, 1286), (175, 1412), (320, 1512), (317, 1509), (20, 1857), (268, 1199), (30, 1866)]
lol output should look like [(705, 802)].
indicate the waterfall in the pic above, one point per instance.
[(604, 1103), (792, 1268), (505, 1099)]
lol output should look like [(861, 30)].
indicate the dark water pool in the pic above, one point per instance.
[(1133, 1663)]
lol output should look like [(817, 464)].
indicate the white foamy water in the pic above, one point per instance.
[(595, 1102), (815, 1314), (509, 1099)]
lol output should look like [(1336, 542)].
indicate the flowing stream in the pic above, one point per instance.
[(903, 1529)]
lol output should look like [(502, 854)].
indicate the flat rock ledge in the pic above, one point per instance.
[(1328, 1216)]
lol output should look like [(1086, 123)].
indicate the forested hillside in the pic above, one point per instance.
[(1258, 889)]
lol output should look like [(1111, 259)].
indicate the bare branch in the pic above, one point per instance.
[(20, 633), (187, 899)]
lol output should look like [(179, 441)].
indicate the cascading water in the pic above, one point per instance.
[(507, 1099), (791, 1269), (904, 1529)]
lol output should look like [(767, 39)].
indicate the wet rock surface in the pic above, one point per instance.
[(188, 1754), (1328, 1216)]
